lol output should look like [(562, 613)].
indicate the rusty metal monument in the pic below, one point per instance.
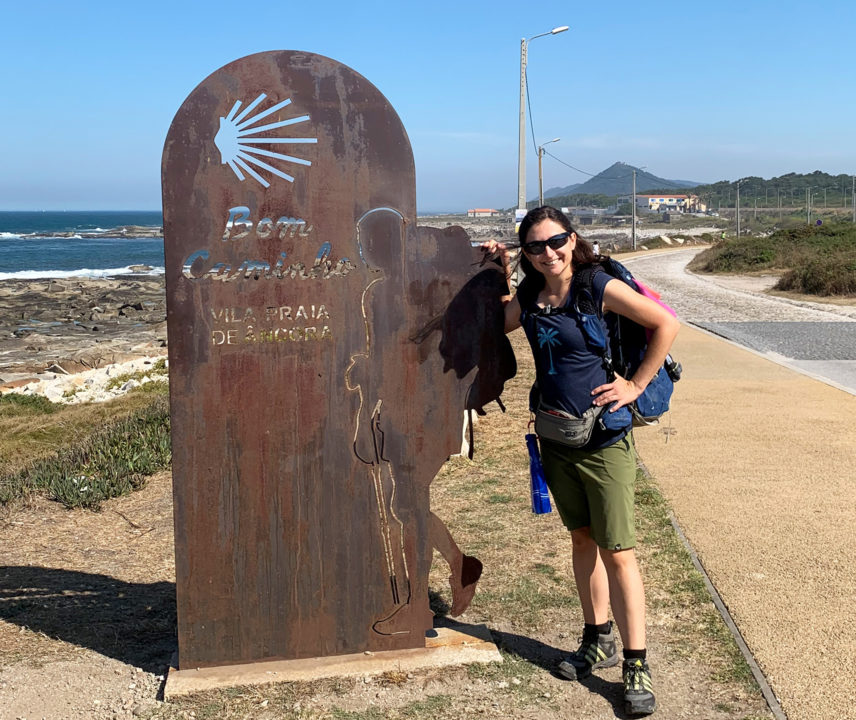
[(317, 378)]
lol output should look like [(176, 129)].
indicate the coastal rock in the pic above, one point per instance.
[(80, 323)]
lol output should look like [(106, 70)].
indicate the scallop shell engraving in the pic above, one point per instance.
[(239, 135)]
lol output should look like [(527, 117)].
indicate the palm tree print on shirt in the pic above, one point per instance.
[(548, 338)]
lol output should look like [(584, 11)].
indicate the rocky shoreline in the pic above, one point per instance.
[(77, 324), (131, 231)]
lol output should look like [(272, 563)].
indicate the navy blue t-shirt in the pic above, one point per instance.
[(567, 369)]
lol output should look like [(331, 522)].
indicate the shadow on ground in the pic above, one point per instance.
[(548, 658), (131, 622)]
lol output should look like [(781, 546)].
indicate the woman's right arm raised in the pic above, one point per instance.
[(512, 305)]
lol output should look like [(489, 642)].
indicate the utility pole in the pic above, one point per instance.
[(521, 137), (738, 209), (853, 195), (633, 210), (808, 204)]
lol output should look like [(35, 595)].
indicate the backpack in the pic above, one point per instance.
[(623, 351)]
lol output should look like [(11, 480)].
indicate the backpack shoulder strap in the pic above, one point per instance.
[(590, 313), (582, 290), (527, 295)]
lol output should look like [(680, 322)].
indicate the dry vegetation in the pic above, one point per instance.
[(83, 582), (812, 260)]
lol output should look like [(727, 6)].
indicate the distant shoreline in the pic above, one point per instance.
[(123, 231)]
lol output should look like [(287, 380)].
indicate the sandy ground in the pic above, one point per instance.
[(760, 474)]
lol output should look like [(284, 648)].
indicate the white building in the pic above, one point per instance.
[(661, 203)]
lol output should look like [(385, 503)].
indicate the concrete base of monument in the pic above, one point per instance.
[(450, 644)]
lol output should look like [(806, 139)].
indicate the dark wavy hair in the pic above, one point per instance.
[(583, 253)]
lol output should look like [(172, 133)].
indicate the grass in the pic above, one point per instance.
[(108, 461), (32, 427), (15, 405), (812, 260), (527, 590)]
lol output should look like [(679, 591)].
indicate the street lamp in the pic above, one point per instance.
[(633, 210), (540, 174), (521, 147)]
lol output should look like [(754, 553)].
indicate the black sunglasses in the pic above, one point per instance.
[(538, 247)]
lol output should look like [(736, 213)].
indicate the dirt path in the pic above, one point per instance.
[(88, 607)]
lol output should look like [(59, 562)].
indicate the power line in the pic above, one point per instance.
[(558, 160), (529, 108), (584, 172)]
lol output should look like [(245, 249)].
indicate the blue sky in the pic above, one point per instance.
[(692, 91)]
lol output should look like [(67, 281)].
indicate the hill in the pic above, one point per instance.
[(617, 179), (790, 190), (557, 191), (787, 191)]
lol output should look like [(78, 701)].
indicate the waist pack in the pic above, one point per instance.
[(564, 428)]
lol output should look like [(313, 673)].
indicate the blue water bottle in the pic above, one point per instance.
[(540, 495)]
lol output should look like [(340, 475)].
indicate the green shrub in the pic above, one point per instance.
[(113, 461), (16, 404), (815, 260), (824, 277)]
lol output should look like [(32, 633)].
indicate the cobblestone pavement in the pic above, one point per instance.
[(814, 338)]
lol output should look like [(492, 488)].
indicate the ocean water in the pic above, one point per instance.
[(73, 243)]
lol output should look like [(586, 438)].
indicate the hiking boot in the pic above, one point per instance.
[(638, 688), (592, 654)]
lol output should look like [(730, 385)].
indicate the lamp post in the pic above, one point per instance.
[(540, 173), (633, 213), (521, 146)]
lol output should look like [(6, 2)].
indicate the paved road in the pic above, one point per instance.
[(814, 338), (758, 464)]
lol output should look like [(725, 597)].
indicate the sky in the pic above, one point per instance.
[(689, 91)]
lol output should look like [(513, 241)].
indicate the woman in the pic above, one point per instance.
[(592, 485)]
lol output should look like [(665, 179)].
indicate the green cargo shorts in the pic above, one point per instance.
[(594, 489)]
